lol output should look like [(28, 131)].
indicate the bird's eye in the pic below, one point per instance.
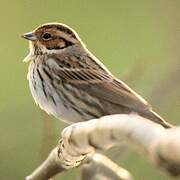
[(46, 36)]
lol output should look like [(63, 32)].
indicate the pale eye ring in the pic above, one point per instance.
[(46, 36)]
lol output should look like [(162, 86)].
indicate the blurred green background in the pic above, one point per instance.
[(139, 42)]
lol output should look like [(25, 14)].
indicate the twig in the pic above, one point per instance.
[(99, 164), (100, 167), (49, 168)]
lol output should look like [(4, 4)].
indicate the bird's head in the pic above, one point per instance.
[(51, 37)]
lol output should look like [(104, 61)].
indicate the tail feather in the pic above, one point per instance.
[(151, 115)]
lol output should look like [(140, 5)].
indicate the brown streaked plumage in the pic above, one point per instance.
[(67, 81)]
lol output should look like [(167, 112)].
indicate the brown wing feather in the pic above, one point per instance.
[(103, 85), (114, 91)]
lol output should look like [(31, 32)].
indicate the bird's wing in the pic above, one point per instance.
[(118, 93), (101, 84)]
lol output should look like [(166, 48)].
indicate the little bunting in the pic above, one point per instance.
[(69, 82)]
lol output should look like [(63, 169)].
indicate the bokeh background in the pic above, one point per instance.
[(138, 40)]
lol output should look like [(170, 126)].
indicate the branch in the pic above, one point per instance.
[(80, 141), (155, 142)]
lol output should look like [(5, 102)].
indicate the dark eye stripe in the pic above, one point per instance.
[(67, 44)]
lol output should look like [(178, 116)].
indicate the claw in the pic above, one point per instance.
[(59, 148)]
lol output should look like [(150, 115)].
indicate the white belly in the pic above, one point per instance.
[(58, 109)]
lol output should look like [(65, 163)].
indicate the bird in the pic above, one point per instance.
[(67, 81)]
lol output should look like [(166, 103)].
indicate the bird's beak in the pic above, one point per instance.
[(29, 36)]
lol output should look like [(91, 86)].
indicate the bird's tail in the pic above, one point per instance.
[(153, 116)]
